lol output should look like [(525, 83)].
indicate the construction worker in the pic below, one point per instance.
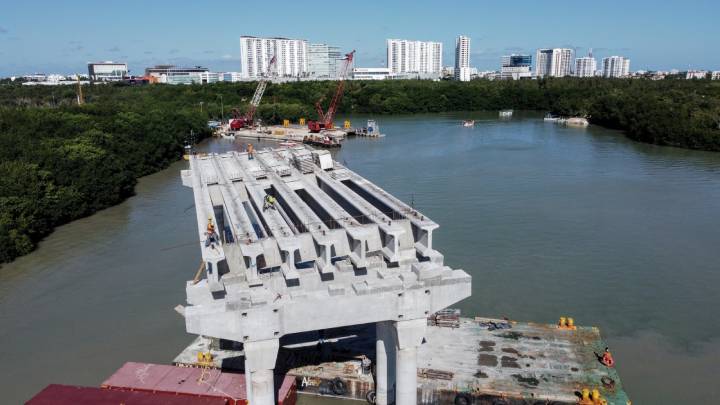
[(269, 202), (607, 358), (210, 233), (250, 151)]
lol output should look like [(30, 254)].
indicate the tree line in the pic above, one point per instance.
[(60, 161)]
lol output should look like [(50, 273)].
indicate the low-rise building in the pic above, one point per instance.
[(108, 71), (172, 74), (387, 74), (515, 67), (715, 75), (371, 73), (210, 77), (232, 77), (696, 74)]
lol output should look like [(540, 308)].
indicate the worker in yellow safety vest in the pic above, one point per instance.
[(269, 202)]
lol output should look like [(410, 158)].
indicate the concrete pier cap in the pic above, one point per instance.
[(333, 250)]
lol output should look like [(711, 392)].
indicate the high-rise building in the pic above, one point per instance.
[(405, 56), (556, 62), (462, 58), (324, 61), (616, 66), (291, 56), (107, 71), (515, 67), (543, 62), (586, 66)]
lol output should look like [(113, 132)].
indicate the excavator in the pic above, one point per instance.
[(246, 120)]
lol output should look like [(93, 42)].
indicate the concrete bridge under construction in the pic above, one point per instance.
[(327, 249)]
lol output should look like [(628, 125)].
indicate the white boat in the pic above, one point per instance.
[(469, 123), (551, 118), (576, 122), (372, 130), (506, 113)]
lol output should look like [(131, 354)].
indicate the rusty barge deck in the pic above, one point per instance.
[(463, 361)]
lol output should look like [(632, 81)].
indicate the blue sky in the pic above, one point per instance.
[(55, 36)]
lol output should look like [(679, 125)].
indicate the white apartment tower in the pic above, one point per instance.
[(256, 53), (556, 62), (405, 56), (585, 67), (616, 66), (462, 58)]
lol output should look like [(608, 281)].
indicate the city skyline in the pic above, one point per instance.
[(43, 40)]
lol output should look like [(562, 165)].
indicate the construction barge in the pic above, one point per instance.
[(462, 361), (280, 133)]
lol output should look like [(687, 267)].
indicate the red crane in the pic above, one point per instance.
[(325, 119), (247, 119)]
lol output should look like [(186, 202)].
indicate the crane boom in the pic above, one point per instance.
[(325, 119), (330, 114), (259, 91)]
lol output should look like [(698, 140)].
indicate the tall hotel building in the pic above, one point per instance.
[(324, 61), (462, 58), (585, 67), (405, 56), (256, 53), (555, 62), (616, 66)]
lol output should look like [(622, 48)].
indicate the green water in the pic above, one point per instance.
[(550, 221)]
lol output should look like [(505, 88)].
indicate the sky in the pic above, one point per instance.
[(62, 36)]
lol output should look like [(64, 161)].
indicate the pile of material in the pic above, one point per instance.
[(303, 160), (448, 318)]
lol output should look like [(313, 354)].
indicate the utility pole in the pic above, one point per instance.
[(201, 104), (80, 98), (222, 109)]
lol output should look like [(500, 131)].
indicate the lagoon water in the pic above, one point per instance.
[(550, 221)]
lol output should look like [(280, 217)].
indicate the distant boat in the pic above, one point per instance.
[(551, 118), (506, 113), (188, 151), (576, 122), (469, 123), (371, 130)]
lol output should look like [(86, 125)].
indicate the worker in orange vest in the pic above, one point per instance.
[(607, 358), (250, 151), (210, 233)]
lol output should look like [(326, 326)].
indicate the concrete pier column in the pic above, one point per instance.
[(409, 336), (260, 357), (385, 363)]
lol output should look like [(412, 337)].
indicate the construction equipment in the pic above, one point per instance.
[(246, 120), (325, 119)]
